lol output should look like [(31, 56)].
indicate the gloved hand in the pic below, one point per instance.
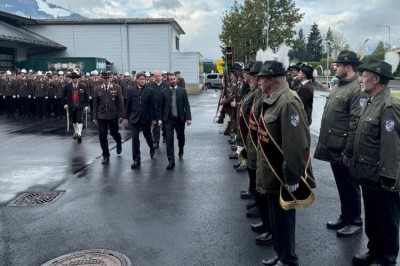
[(86, 108), (55, 97), (292, 188), (46, 97), (90, 97), (34, 97), (66, 106), (17, 95), (29, 96), (4, 97), (14, 96)]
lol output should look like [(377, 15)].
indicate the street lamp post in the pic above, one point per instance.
[(386, 26), (327, 71)]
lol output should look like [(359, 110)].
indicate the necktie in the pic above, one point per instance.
[(174, 108), (106, 87)]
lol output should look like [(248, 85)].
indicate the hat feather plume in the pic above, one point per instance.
[(393, 59)]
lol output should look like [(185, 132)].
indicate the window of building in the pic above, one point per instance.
[(177, 43)]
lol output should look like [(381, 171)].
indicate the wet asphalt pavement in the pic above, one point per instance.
[(191, 215)]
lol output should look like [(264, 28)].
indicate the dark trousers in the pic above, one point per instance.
[(262, 204), (10, 105), (283, 224), (179, 127), (103, 126), (60, 107), (24, 103), (382, 216), (51, 106), (252, 179), (156, 133), (136, 128), (349, 194), (40, 106)]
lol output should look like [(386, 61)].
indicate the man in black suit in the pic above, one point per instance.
[(174, 113), (141, 111), (158, 86)]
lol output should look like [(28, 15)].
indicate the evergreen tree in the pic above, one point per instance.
[(245, 26), (314, 44), (299, 47)]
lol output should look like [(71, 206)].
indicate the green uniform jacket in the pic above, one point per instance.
[(339, 121), (377, 143), (286, 122)]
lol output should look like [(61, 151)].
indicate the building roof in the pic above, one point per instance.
[(13, 33), (111, 21)]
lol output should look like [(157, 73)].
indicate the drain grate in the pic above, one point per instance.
[(36, 198), (94, 257)]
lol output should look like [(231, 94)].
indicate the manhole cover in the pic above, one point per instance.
[(94, 257), (35, 198)]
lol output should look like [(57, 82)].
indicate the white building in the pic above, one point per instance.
[(126, 44)]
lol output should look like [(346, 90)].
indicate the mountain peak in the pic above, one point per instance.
[(37, 9)]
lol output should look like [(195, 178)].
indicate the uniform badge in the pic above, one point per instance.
[(295, 120), (389, 125), (363, 101)]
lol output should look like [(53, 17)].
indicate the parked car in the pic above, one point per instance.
[(213, 80)]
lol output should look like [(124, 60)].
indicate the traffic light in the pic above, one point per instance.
[(230, 58)]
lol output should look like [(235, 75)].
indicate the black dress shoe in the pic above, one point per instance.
[(270, 262), (152, 152), (155, 145), (363, 259), (336, 225), (264, 239), (241, 168), (349, 230), (180, 155), (79, 138), (250, 205), (233, 155), (253, 213), (248, 195), (236, 165), (106, 160), (258, 228), (234, 147), (170, 165), (119, 149), (135, 164)]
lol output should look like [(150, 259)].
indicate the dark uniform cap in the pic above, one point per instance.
[(307, 70), (296, 66), (177, 72), (272, 69), (74, 74), (255, 68), (347, 57), (378, 67), (248, 66), (105, 74)]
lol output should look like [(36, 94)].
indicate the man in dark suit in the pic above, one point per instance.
[(141, 111), (174, 113), (158, 86)]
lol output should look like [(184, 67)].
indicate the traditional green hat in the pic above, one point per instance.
[(255, 68), (248, 66), (378, 67), (347, 57), (308, 70), (271, 69)]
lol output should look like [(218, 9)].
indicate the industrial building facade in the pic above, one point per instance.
[(123, 44)]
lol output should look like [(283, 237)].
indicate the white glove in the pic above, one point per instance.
[(66, 106), (90, 97), (29, 96), (34, 97), (14, 97), (46, 97), (292, 188), (17, 95), (4, 97), (86, 108), (55, 97)]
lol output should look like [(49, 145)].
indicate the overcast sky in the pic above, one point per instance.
[(201, 20)]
